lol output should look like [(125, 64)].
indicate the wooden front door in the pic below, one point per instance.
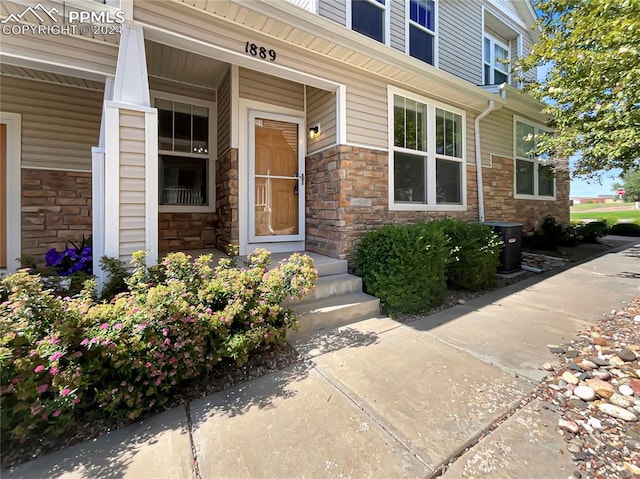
[(277, 173), (3, 195)]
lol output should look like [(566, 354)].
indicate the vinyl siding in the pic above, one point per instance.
[(132, 183), (321, 108), (269, 89), (460, 39), (60, 124), (183, 89), (397, 14), (224, 114), (335, 10), (308, 5), (496, 135)]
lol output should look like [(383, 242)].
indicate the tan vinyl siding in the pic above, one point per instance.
[(224, 114), (84, 54), (60, 124), (183, 89), (460, 38), (335, 10), (397, 14), (367, 114), (321, 108), (496, 135), (526, 50), (269, 89), (132, 183)]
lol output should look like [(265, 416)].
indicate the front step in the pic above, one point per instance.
[(333, 312), (328, 286)]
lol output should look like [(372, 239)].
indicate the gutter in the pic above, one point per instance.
[(492, 106)]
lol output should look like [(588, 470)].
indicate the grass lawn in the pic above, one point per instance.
[(609, 216), (592, 206)]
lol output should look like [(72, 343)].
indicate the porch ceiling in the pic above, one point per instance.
[(49, 77), (171, 63)]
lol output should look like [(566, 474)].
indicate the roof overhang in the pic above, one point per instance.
[(520, 102)]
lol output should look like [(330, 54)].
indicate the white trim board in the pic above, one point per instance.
[(13, 188)]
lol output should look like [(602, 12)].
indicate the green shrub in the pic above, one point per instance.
[(551, 235), (117, 277), (404, 266), (625, 229), (591, 232), (475, 251)]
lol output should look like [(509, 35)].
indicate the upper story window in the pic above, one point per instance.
[(496, 61), (184, 150), (534, 175), (421, 28), (369, 18), (426, 160)]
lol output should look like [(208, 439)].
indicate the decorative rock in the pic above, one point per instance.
[(575, 367), (571, 353), (599, 384), (573, 448), (618, 400), (570, 378), (568, 426), (461, 301), (617, 412), (578, 403), (637, 318), (626, 355), (595, 423), (585, 393), (598, 361), (548, 367), (635, 385), (588, 365), (625, 390), (604, 393), (601, 374), (556, 350)]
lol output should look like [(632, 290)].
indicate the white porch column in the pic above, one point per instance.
[(125, 167)]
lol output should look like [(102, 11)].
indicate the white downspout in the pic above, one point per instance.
[(490, 108)]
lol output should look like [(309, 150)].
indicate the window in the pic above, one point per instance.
[(369, 18), (427, 166), (534, 176), (421, 27), (496, 61), (184, 151)]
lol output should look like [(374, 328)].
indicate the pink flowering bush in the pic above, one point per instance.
[(64, 358), (41, 376)]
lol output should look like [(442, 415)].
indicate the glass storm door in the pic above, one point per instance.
[(276, 186)]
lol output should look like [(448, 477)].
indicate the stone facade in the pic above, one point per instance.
[(226, 222), (56, 208), (185, 231), (347, 194), (500, 204)]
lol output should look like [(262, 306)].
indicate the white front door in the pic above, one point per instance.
[(276, 180)]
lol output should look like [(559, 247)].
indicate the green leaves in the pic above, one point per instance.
[(593, 85)]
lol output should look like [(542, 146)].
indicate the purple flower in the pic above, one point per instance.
[(52, 257), (65, 392), (42, 388), (56, 413), (39, 369), (104, 326), (55, 356)]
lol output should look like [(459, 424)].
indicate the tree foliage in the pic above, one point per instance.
[(593, 85), (631, 185)]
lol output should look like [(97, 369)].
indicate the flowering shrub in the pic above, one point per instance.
[(177, 320), (40, 377), (77, 258)]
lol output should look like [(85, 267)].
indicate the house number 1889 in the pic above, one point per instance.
[(260, 52)]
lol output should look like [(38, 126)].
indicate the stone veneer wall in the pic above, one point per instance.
[(184, 231), (226, 217), (56, 208), (500, 205), (347, 195)]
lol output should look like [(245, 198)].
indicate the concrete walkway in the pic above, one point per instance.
[(382, 399)]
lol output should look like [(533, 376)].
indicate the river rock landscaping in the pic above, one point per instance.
[(594, 386)]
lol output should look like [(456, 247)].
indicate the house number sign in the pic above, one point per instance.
[(260, 52)]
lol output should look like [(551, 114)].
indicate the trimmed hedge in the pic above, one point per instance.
[(408, 267), (625, 229), (404, 266)]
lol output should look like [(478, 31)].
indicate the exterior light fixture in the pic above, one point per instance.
[(315, 131)]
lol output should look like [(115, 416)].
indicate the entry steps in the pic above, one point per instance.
[(336, 300)]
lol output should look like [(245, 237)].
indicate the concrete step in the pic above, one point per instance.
[(334, 311), (328, 286), (329, 266)]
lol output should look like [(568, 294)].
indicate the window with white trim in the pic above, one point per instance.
[(369, 18), (421, 27), (534, 176), (496, 61), (184, 152), (426, 155)]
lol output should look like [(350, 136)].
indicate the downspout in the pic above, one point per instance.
[(490, 108)]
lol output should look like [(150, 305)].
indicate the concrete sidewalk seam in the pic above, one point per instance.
[(374, 417), (194, 454)]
